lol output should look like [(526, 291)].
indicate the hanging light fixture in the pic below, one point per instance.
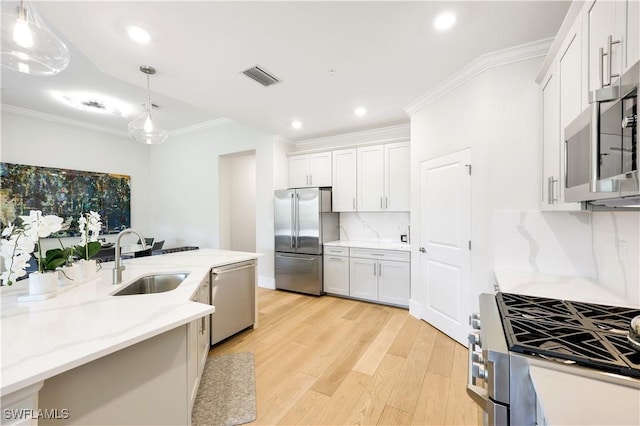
[(143, 129), (28, 45)]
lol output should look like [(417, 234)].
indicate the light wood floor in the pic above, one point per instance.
[(335, 361)]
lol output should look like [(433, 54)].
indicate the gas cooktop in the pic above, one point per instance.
[(584, 334)]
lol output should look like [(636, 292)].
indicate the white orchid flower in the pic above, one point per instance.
[(37, 226)]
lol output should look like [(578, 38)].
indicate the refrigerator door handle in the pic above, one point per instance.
[(297, 219), (305, 259), (292, 220)]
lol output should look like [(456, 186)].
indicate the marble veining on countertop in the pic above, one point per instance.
[(564, 287), (84, 322), (381, 245)]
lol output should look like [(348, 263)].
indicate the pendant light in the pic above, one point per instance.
[(28, 45), (143, 129)]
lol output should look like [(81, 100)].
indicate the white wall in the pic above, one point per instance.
[(243, 202), (496, 114), (33, 141), (185, 198)]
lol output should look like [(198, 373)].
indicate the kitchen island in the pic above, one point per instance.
[(85, 323)]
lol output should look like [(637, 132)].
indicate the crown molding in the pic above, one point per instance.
[(397, 133), (89, 126), (62, 120), (218, 122), (498, 58)]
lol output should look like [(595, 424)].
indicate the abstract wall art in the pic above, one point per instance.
[(65, 193)]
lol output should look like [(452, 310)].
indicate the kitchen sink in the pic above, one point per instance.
[(154, 283)]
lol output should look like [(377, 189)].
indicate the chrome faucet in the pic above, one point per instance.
[(118, 268)]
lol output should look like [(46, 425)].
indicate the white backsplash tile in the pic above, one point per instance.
[(548, 242), (373, 226), (604, 246), (616, 242)]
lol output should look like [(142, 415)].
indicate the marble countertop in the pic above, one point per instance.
[(563, 395), (83, 322), (381, 245), (564, 287)]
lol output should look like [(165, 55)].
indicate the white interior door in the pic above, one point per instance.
[(445, 265)]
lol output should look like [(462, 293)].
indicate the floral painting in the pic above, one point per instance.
[(65, 193)]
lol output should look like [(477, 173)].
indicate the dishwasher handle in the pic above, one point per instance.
[(216, 272)]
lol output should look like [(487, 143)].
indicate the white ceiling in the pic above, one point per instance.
[(384, 54)]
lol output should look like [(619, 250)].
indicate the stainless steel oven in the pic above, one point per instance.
[(601, 146), (513, 332)]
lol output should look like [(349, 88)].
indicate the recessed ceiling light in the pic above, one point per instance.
[(360, 111), (296, 124), (444, 21), (138, 34), (93, 102)]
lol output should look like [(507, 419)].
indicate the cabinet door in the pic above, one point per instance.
[(550, 140), (192, 359), (363, 282), (320, 169), (601, 23), (336, 275), (396, 177), (298, 171), (344, 180), (393, 282), (571, 104), (632, 34), (370, 178), (203, 328)]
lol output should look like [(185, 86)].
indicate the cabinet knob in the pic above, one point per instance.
[(422, 250)]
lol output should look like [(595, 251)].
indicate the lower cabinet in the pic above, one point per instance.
[(368, 274), (198, 343), (336, 270)]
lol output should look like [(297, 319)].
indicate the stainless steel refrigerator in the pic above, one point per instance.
[(303, 222)]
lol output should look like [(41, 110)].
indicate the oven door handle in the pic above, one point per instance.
[(477, 393)]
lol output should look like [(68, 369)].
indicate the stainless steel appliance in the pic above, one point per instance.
[(515, 331), (233, 293), (601, 147), (303, 222)]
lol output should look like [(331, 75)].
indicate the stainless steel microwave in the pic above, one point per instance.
[(601, 147)]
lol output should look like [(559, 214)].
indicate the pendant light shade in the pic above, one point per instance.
[(28, 45), (143, 129)]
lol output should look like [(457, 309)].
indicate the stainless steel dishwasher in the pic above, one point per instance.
[(233, 293)]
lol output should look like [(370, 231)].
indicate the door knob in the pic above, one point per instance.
[(422, 250)]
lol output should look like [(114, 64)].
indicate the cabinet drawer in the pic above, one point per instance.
[(336, 251), (401, 256)]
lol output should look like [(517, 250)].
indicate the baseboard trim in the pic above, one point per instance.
[(267, 282), (415, 309)]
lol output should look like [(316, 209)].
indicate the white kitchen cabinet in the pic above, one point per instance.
[(363, 283), (198, 342), (397, 168), (204, 334), (613, 26), (371, 178), (336, 270), (310, 170), (393, 282), (563, 99), (383, 177), (380, 275), (344, 180)]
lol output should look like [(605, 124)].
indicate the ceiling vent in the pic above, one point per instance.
[(261, 76)]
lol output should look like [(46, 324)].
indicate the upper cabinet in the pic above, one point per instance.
[(344, 180), (613, 39), (371, 178), (310, 170), (600, 41), (383, 177)]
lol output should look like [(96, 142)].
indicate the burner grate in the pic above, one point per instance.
[(588, 334)]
